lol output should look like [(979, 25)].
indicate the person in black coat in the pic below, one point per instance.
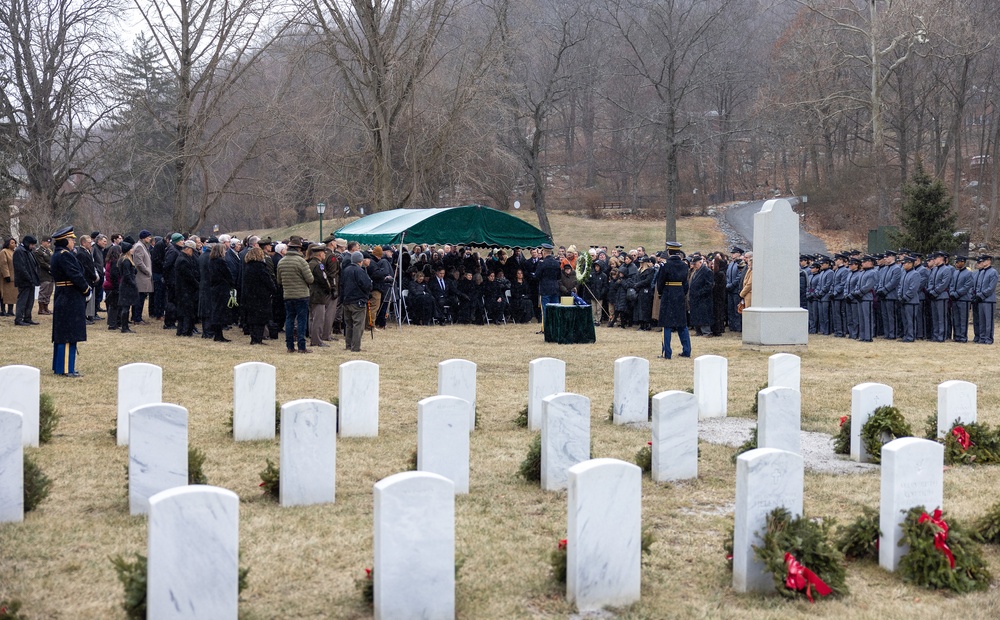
[(258, 289), (128, 289), (112, 277), (184, 289), (86, 260), (719, 295), (702, 286), (642, 312), (598, 285), (69, 316), (522, 308), (445, 294), (26, 278), (220, 283), (419, 301), (494, 297), (672, 285), (205, 291), (166, 303)]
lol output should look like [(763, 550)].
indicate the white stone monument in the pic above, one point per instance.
[(546, 376), (603, 534), (443, 439), (775, 318), (675, 436), (784, 370), (20, 390), (565, 437), (194, 551), (138, 384), (308, 471), (956, 401), (11, 466), (358, 399), (458, 378), (912, 475), (414, 569), (779, 419), (765, 479), (711, 386), (631, 400), (865, 399), (157, 452), (253, 401)]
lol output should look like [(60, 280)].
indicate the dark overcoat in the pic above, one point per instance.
[(128, 288), (258, 289), (220, 279), (69, 307), (186, 283), (643, 283), (672, 284), (700, 296), (204, 287)]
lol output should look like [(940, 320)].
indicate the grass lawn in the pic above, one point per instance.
[(304, 561), (696, 233)]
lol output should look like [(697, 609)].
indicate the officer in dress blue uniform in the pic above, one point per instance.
[(960, 291), (984, 293), (672, 285), (69, 311)]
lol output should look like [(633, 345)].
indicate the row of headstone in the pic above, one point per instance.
[(11, 466), (20, 388), (768, 478)]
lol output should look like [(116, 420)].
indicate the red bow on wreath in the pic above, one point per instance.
[(843, 419), (562, 545), (962, 437), (801, 578), (941, 537)]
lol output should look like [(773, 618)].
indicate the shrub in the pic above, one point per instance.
[(36, 484), (196, 459), (807, 541), (842, 441), (48, 418), (270, 480), (859, 540), (531, 466), (522, 418), (885, 424), (987, 527), (927, 565), (644, 458)]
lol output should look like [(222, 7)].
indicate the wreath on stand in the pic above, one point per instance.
[(584, 265)]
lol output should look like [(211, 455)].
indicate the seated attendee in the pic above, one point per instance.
[(442, 289), (494, 297), (419, 301), (468, 293), (522, 307), (567, 281)]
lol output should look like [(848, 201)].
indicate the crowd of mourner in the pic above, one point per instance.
[(314, 291)]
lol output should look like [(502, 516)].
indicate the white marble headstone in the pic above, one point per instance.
[(194, 550), (308, 471), (631, 400), (253, 401), (711, 386), (784, 370), (779, 419), (675, 436), (546, 376), (358, 399), (157, 452), (20, 390), (565, 437), (865, 399), (956, 401), (603, 534), (414, 547), (765, 479), (443, 439), (912, 475), (11, 466), (775, 318), (138, 384), (458, 378)]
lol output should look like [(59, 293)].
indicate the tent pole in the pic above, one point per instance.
[(399, 276)]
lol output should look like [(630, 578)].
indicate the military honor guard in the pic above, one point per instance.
[(672, 285), (69, 315), (984, 298)]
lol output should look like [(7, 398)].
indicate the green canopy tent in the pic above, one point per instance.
[(468, 225)]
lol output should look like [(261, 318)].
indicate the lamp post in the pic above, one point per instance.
[(321, 209)]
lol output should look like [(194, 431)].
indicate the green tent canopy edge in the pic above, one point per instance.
[(470, 225)]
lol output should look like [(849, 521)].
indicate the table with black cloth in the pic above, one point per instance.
[(569, 324)]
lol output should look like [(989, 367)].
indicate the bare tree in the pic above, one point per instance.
[(209, 47), (54, 60)]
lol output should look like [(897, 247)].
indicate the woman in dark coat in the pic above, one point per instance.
[(700, 296), (205, 290), (719, 295), (618, 293), (112, 276), (520, 298), (187, 277), (598, 285), (258, 287), (643, 283), (469, 299), (220, 281), (419, 301), (128, 289), (494, 297)]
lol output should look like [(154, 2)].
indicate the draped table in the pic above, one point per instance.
[(569, 324)]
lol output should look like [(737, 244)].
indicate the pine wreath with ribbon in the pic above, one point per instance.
[(885, 424), (941, 556), (798, 554)]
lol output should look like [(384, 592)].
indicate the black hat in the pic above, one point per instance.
[(737, 249), (959, 258), (129, 239), (265, 241), (805, 257), (144, 233), (840, 256), (815, 265), (983, 257), (212, 240), (673, 245), (905, 251), (63, 233), (546, 246), (854, 261), (908, 259), (944, 255), (825, 259), (890, 253), (867, 258), (125, 247), (95, 234), (855, 253)]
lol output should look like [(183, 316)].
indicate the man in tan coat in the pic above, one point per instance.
[(144, 273)]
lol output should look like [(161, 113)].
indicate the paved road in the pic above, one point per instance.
[(740, 218)]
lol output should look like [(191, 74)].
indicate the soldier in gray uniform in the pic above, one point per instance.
[(865, 296), (838, 314), (888, 293), (824, 295), (851, 304), (811, 298), (984, 294), (960, 291), (909, 298), (937, 293), (923, 312)]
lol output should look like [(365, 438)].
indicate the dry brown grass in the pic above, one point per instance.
[(304, 560), (696, 233)]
